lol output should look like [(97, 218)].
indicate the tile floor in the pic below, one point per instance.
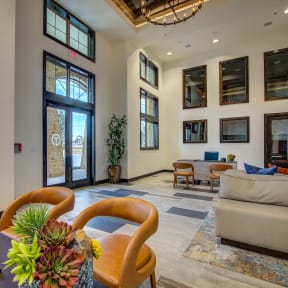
[(181, 213)]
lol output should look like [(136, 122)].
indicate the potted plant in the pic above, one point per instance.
[(53, 256), (116, 146)]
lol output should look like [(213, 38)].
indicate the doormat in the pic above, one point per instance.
[(206, 247)]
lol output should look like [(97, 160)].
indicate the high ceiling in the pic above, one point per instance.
[(234, 22)]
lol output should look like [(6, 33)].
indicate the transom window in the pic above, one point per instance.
[(148, 71), (68, 30), (149, 121), (67, 80)]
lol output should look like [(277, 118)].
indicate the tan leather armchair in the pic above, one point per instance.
[(63, 199), (126, 261), (214, 172)]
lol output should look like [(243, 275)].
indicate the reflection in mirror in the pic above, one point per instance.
[(195, 87), (195, 131), (233, 77), (234, 130), (276, 74)]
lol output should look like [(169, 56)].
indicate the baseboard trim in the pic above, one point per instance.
[(253, 248), (124, 180), (144, 176)]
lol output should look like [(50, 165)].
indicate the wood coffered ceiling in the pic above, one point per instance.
[(131, 9)]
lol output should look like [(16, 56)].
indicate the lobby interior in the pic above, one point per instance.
[(243, 28)]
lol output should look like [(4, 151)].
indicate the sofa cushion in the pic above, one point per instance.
[(267, 189), (257, 170), (280, 170)]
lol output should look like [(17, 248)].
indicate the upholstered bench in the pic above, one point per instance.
[(253, 209)]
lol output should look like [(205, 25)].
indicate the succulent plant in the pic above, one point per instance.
[(58, 267), (55, 233), (30, 221), (24, 256)]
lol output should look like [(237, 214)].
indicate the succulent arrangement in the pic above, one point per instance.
[(53, 257)]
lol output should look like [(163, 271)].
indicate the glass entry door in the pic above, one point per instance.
[(276, 139), (68, 147)]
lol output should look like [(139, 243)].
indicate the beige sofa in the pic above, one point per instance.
[(253, 209)]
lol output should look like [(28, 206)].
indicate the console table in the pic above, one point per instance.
[(201, 167)]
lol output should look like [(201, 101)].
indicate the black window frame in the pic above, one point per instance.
[(50, 96), (150, 119), (148, 65), (75, 21)]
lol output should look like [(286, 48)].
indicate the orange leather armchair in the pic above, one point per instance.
[(126, 261), (184, 170), (63, 199), (214, 172)]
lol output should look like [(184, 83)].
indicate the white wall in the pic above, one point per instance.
[(141, 162), (110, 92), (7, 97), (252, 152)]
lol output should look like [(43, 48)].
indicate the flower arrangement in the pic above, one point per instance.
[(53, 256), (231, 157)]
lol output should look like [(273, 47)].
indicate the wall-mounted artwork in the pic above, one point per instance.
[(234, 130), (195, 87), (233, 81), (276, 74), (195, 131)]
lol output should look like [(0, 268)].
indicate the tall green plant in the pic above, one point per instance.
[(115, 141)]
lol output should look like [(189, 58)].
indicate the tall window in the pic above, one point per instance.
[(149, 121), (64, 79), (62, 26), (148, 71)]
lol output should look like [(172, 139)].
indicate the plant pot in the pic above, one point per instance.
[(114, 173)]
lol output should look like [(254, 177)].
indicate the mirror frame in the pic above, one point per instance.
[(194, 127), (203, 102), (245, 88), (277, 84), (239, 139)]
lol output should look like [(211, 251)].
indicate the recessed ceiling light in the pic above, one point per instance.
[(215, 40), (169, 53), (286, 11)]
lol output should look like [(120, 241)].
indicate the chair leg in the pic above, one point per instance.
[(193, 181), (187, 182), (211, 184), (175, 181), (153, 279)]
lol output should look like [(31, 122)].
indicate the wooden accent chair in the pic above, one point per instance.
[(214, 172), (183, 169), (63, 199), (126, 261)]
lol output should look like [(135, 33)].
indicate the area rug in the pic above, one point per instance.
[(206, 247), (164, 282)]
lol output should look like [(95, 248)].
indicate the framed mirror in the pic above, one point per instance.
[(233, 81), (234, 130), (276, 74), (195, 87), (195, 131)]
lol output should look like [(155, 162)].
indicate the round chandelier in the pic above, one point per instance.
[(170, 12)]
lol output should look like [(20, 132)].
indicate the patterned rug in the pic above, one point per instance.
[(206, 247), (164, 282)]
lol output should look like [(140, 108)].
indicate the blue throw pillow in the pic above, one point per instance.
[(257, 170), (250, 169)]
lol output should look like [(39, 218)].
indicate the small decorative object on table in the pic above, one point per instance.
[(230, 157), (54, 256)]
